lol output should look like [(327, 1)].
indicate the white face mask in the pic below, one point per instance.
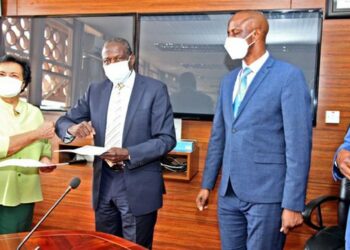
[(9, 86), (117, 72), (237, 47)]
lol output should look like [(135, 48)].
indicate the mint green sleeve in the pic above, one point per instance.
[(46, 149), (4, 146)]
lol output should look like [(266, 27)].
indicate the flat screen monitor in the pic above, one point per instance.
[(186, 52)]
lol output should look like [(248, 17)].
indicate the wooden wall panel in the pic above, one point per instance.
[(302, 4), (9, 7), (40, 7)]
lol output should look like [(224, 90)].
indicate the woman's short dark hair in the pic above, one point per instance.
[(27, 74)]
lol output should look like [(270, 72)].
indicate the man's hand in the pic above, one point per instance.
[(202, 199), (343, 161), (47, 161), (81, 130), (290, 219), (46, 130), (115, 155)]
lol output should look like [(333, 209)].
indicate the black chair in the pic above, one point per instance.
[(330, 237)]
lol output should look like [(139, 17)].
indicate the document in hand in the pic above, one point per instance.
[(86, 150), (26, 163)]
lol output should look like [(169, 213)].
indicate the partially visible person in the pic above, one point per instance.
[(260, 140), (341, 169), (23, 135), (189, 98)]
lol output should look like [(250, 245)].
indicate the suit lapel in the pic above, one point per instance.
[(135, 98), (106, 94), (227, 101), (255, 84)]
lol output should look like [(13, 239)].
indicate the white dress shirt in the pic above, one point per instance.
[(124, 95), (255, 67)]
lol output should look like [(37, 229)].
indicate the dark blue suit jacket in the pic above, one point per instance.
[(148, 135), (265, 151)]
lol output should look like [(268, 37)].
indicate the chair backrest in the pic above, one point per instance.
[(344, 201)]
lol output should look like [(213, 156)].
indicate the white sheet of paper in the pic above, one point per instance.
[(86, 150), (178, 128), (27, 163)]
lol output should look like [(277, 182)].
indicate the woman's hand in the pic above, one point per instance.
[(20, 141), (47, 161), (46, 131)]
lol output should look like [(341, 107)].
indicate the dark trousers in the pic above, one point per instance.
[(16, 219), (113, 214), (245, 225)]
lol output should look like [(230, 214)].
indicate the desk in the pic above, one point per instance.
[(67, 239)]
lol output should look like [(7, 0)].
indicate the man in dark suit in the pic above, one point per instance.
[(261, 140), (130, 114)]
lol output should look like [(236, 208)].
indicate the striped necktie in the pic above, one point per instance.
[(242, 90), (114, 126), (114, 135)]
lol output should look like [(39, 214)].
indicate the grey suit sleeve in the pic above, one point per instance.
[(162, 133), (79, 113), (216, 148), (297, 123)]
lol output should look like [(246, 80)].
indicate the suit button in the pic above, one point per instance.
[(234, 130)]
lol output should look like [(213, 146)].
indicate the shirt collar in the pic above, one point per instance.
[(19, 108), (129, 83), (257, 64)]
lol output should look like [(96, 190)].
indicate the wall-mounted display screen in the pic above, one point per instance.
[(187, 53)]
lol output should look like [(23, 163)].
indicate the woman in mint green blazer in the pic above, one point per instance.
[(23, 135)]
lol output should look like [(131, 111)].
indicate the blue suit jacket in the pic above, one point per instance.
[(337, 175), (148, 135), (265, 151)]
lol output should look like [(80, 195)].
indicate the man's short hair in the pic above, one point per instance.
[(121, 41)]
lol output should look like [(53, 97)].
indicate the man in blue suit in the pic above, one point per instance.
[(260, 140), (131, 115), (341, 169)]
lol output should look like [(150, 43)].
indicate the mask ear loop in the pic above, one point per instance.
[(250, 34)]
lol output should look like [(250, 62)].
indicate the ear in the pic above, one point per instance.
[(257, 34), (132, 61)]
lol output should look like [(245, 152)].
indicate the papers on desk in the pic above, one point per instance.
[(86, 150), (28, 163)]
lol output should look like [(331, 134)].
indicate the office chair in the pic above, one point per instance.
[(330, 237)]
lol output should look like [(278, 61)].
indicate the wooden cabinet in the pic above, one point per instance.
[(191, 159)]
